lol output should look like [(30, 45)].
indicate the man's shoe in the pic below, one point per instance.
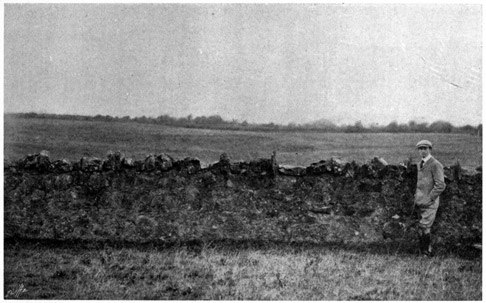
[(422, 245), (427, 245)]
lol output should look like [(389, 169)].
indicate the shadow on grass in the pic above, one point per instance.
[(196, 246)]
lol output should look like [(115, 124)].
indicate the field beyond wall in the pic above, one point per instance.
[(75, 139)]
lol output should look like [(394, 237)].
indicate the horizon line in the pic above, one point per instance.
[(321, 121)]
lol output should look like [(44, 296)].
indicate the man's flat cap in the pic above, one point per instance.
[(424, 143)]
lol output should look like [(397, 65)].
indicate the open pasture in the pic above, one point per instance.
[(75, 139), (273, 272)]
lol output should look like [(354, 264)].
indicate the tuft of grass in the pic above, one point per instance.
[(225, 273)]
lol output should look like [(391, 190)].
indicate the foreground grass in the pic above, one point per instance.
[(224, 273)]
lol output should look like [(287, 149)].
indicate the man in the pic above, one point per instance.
[(430, 184)]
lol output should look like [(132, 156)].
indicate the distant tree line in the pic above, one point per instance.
[(216, 122)]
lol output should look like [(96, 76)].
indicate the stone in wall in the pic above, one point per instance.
[(378, 163), (90, 164), (188, 165), (128, 163), (164, 162), (39, 162), (62, 165), (291, 170), (149, 164), (113, 161), (334, 166)]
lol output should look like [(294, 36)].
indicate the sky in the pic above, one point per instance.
[(280, 63)]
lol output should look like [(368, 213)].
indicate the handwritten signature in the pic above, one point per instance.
[(15, 293)]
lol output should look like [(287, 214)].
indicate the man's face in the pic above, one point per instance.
[(424, 151)]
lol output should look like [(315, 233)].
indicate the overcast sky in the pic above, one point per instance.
[(276, 63)]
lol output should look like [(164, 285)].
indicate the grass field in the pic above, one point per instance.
[(276, 272), (74, 139)]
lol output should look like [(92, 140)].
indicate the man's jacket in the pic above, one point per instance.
[(430, 184)]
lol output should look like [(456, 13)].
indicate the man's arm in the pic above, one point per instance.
[(439, 184)]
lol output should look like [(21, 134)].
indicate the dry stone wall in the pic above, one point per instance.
[(162, 199)]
